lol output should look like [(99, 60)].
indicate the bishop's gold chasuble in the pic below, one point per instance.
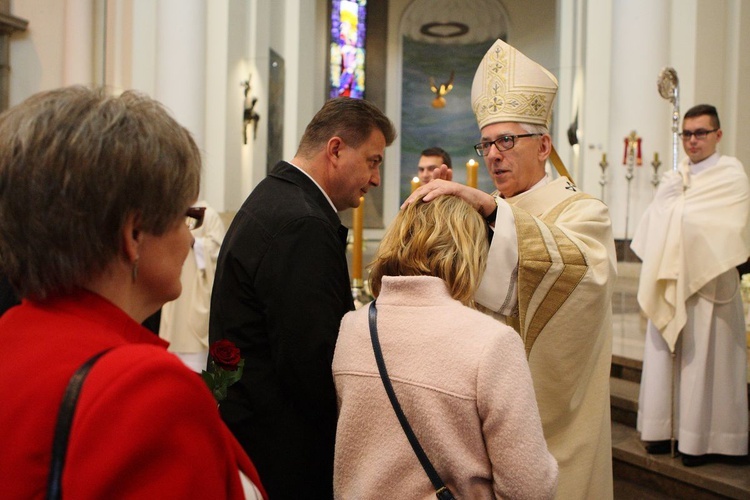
[(566, 271)]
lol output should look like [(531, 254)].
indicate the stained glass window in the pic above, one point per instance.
[(348, 29)]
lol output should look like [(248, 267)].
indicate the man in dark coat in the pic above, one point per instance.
[(281, 289)]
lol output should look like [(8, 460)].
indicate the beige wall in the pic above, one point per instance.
[(36, 55), (707, 45)]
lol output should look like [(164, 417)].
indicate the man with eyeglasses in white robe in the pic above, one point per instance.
[(690, 239)]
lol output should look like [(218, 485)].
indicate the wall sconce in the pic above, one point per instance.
[(249, 115)]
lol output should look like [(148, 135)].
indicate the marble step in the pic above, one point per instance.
[(623, 395), (640, 475)]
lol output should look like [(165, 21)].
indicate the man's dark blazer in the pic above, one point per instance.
[(281, 289)]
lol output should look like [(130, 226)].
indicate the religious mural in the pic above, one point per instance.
[(452, 126)]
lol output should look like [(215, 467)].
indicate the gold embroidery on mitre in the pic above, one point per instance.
[(510, 87)]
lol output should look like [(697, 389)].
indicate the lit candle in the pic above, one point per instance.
[(414, 183), (656, 157), (358, 226), (471, 173), (604, 157)]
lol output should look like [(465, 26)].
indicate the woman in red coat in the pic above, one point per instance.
[(94, 194)]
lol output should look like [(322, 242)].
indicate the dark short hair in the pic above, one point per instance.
[(75, 163), (436, 151), (351, 119), (704, 110)]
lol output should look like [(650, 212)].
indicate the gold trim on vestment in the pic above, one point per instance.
[(535, 261), (555, 213)]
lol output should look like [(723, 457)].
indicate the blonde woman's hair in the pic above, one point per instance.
[(445, 237)]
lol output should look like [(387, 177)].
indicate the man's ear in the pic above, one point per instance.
[(333, 148), (545, 147), (132, 235)]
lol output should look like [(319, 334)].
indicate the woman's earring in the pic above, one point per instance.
[(135, 269)]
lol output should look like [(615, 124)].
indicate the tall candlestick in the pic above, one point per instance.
[(471, 173), (625, 153), (639, 158), (656, 164), (603, 179), (358, 226), (414, 183)]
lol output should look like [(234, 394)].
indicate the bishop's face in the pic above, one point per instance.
[(515, 170), (700, 149)]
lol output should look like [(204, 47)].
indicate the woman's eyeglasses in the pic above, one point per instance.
[(194, 217)]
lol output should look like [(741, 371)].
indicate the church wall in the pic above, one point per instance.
[(592, 94), (639, 51), (711, 39), (36, 55), (80, 42), (702, 39), (224, 96), (741, 17), (143, 66)]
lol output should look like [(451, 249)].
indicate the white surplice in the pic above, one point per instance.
[(690, 243)]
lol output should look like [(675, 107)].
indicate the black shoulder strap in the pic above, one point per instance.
[(62, 428), (441, 490)]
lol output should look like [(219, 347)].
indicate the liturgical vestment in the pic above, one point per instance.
[(550, 274), (184, 321), (690, 242)]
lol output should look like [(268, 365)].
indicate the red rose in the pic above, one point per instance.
[(225, 354)]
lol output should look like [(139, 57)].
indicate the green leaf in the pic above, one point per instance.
[(220, 393), (209, 379)]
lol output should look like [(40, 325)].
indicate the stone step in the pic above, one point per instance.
[(640, 475), (626, 368), (623, 395)]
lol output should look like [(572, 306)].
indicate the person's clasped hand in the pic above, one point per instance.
[(670, 187)]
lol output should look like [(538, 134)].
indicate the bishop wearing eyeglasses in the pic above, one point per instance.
[(551, 265)]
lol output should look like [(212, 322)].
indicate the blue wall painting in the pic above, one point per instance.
[(452, 127)]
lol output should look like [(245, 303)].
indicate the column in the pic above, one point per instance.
[(640, 50), (181, 62), (78, 65)]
